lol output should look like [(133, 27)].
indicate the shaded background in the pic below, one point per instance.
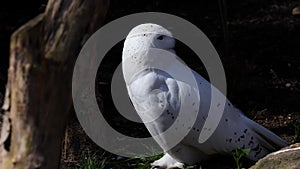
[(262, 48), (260, 53)]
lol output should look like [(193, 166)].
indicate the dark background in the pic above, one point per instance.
[(14, 14), (260, 53), (260, 56)]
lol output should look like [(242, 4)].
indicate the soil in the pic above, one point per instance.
[(260, 53)]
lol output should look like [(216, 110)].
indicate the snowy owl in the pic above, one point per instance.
[(165, 91)]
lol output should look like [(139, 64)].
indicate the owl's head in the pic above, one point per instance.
[(146, 36)]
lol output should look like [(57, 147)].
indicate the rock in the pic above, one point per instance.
[(296, 11), (288, 85), (286, 158)]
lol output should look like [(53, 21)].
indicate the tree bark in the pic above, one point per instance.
[(38, 93)]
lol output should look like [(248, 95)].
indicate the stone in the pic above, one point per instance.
[(296, 11), (286, 158)]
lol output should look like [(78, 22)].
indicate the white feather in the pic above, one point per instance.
[(167, 93)]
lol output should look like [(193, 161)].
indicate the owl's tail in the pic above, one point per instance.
[(267, 141)]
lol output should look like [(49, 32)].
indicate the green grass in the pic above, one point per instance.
[(238, 154), (106, 160), (109, 161), (91, 161), (145, 162)]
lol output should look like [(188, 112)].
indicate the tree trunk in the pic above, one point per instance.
[(38, 93)]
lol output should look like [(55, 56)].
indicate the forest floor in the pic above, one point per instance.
[(261, 57)]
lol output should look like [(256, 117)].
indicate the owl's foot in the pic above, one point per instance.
[(167, 162)]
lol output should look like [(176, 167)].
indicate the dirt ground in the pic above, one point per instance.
[(260, 53)]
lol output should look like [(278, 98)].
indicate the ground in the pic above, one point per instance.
[(260, 54)]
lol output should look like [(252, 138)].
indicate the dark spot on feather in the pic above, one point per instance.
[(250, 142), (260, 149), (256, 148), (245, 131)]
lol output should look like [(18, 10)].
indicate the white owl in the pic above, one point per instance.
[(168, 94)]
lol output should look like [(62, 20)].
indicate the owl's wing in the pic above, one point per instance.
[(167, 105), (155, 96), (183, 107), (232, 128)]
